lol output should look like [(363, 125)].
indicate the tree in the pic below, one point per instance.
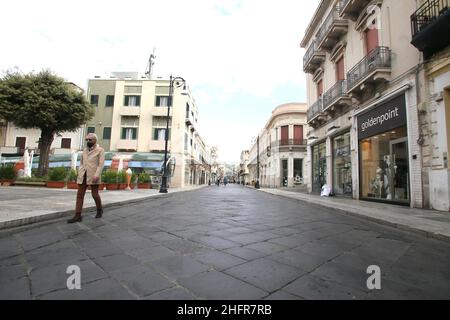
[(43, 101)]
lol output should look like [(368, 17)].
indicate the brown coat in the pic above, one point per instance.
[(92, 164)]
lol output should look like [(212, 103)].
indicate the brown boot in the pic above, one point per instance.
[(99, 214), (76, 218)]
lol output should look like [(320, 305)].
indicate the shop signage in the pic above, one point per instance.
[(389, 115)]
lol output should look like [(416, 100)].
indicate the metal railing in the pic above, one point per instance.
[(309, 53), (328, 23), (315, 109), (290, 142), (335, 92), (426, 14), (380, 57)]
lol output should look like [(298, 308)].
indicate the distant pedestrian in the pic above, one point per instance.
[(225, 181), (89, 174)]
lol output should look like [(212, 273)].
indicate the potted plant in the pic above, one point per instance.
[(72, 179), (122, 180), (57, 178), (144, 181), (7, 175), (110, 179)]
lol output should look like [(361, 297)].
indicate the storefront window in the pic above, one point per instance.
[(342, 165), (319, 166), (298, 171), (384, 166)]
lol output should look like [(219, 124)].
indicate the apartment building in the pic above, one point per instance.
[(279, 149), (131, 116), (363, 85), (430, 27)]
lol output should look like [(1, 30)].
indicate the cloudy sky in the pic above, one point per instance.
[(241, 58)]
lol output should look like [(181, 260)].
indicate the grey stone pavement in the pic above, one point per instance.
[(26, 205), (222, 243)]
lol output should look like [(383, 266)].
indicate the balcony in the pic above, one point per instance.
[(373, 68), (128, 145), (290, 145), (351, 9), (313, 58), (130, 111), (429, 25), (331, 30), (315, 112), (336, 96)]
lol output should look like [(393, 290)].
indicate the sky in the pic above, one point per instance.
[(240, 58)]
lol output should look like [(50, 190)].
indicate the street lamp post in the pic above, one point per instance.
[(174, 82), (257, 164)]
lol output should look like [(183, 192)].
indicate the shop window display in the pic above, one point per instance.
[(342, 165), (384, 166)]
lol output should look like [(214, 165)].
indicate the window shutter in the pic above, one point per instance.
[(134, 133), (127, 100), (138, 101), (124, 133), (158, 101), (298, 134)]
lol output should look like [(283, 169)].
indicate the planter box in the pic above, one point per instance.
[(56, 184), (122, 186), (111, 186), (72, 185), (144, 185), (6, 182)]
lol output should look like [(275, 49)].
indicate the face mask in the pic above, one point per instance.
[(90, 144)]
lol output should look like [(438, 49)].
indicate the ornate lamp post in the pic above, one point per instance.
[(175, 82), (257, 164)]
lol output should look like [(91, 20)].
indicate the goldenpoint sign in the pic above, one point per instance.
[(387, 116)]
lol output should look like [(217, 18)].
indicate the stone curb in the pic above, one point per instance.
[(405, 227), (53, 216)]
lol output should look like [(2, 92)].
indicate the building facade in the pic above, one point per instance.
[(363, 84), (280, 150), (131, 116), (429, 23)]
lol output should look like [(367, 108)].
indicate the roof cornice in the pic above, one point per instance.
[(320, 11)]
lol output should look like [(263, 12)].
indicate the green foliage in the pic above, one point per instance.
[(57, 174), (134, 176), (109, 176), (7, 172), (144, 178), (72, 176), (33, 179), (43, 101), (122, 177)]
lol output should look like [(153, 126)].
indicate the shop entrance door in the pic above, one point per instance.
[(398, 177), (322, 179), (284, 173)]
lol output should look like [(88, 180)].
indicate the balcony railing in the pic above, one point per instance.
[(430, 27), (290, 143), (329, 28), (312, 58), (378, 58), (315, 109), (426, 14), (337, 91)]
